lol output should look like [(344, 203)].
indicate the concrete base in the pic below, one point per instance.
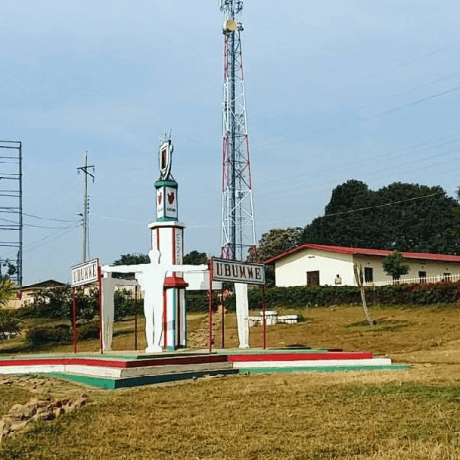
[(127, 369)]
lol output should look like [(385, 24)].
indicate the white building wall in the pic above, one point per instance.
[(292, 270), (415, 266)]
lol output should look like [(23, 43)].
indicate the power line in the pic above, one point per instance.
[(50, 237), (48, 218), (351, 211), (392, 69)]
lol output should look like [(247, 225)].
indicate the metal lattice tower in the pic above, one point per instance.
[(238, 228), (11, 214)]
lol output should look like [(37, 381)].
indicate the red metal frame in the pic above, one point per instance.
[(99, 282), (223, 316), (74, 320), (210, 305), (135, 317), (264, 320), (165, 319)]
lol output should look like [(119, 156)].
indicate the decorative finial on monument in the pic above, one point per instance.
[(165, 157), (166, 185)]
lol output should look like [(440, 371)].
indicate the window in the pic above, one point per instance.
[(422, 277), (447, 276), (368, 274), (313, 278)]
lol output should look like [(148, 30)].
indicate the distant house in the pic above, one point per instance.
[(26, 295), (321, 265)]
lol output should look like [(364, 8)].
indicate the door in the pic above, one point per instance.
[(313, 278), (368, 274)]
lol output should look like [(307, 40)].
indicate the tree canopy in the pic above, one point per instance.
[(130, 259), (403, 217), (195, 258), (276, 241), (394, 265)]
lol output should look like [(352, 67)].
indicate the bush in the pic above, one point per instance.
[(56, 303), (62, 333), (42, 335), (9, 323), (196, 301), (124, 304), (88, 331)]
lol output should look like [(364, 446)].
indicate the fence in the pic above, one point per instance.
[(447, 277)]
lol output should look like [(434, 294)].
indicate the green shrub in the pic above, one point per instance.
[(124, 304), (9, 323), (42, 335), (89, 330), (196, 301), (62, 333), (324, 296)]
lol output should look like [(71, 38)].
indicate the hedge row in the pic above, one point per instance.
[(323, 296), (61, 333)]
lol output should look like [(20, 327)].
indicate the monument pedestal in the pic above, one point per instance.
[(167, 243)]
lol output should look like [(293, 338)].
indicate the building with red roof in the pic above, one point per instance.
[(318, 264)]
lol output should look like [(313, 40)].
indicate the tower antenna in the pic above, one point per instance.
[(238, 227)]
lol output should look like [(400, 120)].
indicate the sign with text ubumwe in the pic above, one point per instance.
[(237, 272), (85, 273)]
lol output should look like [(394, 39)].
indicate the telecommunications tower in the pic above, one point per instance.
[(238, 228)]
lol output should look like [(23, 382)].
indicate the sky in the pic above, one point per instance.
[(335, 90)]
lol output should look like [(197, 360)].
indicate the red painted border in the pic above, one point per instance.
[(299, 356), (178, 360), (115, 363)]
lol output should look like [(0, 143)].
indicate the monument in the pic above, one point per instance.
[(164, 279)]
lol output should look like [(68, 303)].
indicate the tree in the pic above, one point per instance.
[(394, 265), (195, 258), (130, 259), (276, 241), (9, 323), (10, 269), (56, 303), (272, 243), (403, 217)]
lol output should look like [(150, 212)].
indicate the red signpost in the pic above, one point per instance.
[(135, 317), (82, 274), (74, 319), (210, 305)]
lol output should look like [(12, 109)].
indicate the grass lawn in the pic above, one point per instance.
[(412, 414)]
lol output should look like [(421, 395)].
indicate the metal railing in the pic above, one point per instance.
[(448, 278)]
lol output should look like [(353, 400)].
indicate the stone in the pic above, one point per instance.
[(69, 408), (41, 410), (58, 412), (79, 402), (18, 426), (15, 407)]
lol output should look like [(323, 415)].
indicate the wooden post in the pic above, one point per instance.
[(359, 282)]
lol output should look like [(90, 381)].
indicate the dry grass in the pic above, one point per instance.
[(399, 331), (400, 415), (405, 415)]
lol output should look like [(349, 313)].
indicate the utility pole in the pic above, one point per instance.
[(85, 224)]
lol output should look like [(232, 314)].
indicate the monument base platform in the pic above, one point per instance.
[(128, 369)]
